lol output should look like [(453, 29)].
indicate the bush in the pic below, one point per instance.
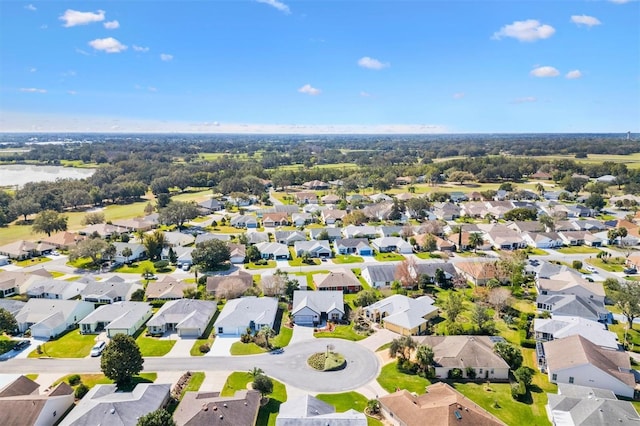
[(81, 391), (528, 343), (576, 264), (204, 348), (518, 391), (246, 338), (161, 265), (471, 373), (407, 366), (317, 361), (454, 373), (74, 379)]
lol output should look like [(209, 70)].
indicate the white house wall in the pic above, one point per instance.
[(591, 376)]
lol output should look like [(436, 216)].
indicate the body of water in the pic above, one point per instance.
[(16, 175)]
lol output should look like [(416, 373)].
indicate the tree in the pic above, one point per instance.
[(576, 264), (127, 253), (406, 274), (93, 218), (521, 214), (424, 358), (499, 298), (121, 359), (460, 176), (173, 257), (509, 353), (548, 222), (263, 384), (354, 218), (153, 243), (267, 332), (402, 348), (8, 323), (91, 247), (366, 298), (323, 235), (210, 254), (178, 212), (49, 221), (595, 201), (627, 298), (475, 240), (290, 286), (524, 374), (24, 207), (253, 254), (373, 406), (159, 417), (453, 306), (429, 244), (482, 320), (138, 295)]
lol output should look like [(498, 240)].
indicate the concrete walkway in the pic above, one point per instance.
[(182, 348), (214, 380), (301, 334), (380, 337), (222, 346)]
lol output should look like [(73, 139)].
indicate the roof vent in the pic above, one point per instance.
[(221, 417), (113, 411), (224, 405), (245, 403), (215, 408)]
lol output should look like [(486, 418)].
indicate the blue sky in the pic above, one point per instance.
[(320, 66)]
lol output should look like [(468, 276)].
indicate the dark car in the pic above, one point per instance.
[(277, 351), (630, 271), (21, 345)]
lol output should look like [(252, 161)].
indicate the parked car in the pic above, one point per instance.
[(185, 267), (630, 271), (97, 349), (21, 345)]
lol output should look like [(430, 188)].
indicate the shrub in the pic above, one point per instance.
[(407, 366), (74, 379), (576, 264), (204, 348), (161, 265), (471, 373), (81, 391), (518, 391), (317, 361), (454, 373), (246, 338), (528, 343)]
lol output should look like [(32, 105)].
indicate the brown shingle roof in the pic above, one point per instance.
[(463, 351), (20, 386), (209, 408)]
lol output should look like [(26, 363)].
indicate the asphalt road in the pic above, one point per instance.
[(289, 367)]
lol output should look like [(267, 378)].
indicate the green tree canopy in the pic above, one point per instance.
[(8, 323), (91, 247), (511, 354), (178, 212), (263, 384), (159, 417), (121, 359), (49, 221), (627, 298), (210, 254)]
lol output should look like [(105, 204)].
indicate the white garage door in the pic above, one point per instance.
[(304, 319)]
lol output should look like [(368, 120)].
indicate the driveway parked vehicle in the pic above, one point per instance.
[(98, 348)]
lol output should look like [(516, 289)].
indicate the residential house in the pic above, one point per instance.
[(237, 253), (361, 231), (201, 238), (301, 219), (528, 226), (107, 405), (112, 290), (17, 282), (543, 240), (255, 237), (539, 175), (289, 237), (229, 286), (4, 260), (307, 410), (330, 199), (244, 221), (315, 307), (316, 249), (446, 211), (359, 246), (116, 318), (167, 288), (378, 276), (332, 233), (16, 384), (558, 327), (582, 405), (182, 254), (339, 279), (305, 197), (22, 405), (137, 224), (211, 409), (380, 197), (391, 244), (48, 318), (355, 199), (275, 251), (633, 260), (430, 269), (211, 205), (251, 313), (286, 208), (64, 240), (316, 185), (104, 230), (571, 305), (330, 216), (312, 209), (403, 315), (575, 360), (568, 282), (393, 230), (12, 306), (479, 273), (187, 317), (55, 289), (137, 252), (378, 211), (503, 238), (274, 286), (272, 220), (441, 405), (20, 250), (458, 196), (467, 353), (178, 239)]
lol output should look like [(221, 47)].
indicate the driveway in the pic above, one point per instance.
[(222, 346), (301, 334), (182, 348), (377, 339)]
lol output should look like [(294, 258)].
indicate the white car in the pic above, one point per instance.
[(98, 348), (185, 267)]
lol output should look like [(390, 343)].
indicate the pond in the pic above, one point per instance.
[(17, 175)]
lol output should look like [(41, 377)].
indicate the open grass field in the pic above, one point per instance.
[(71, 345), (632, 160)]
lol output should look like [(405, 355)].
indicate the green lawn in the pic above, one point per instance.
[(284, 337), (347, 401), (71, 345), (195, 349), (267, 415), (82, 263), (536, 251), (33, 377), (90, 380), (341, 332), (6, 344), (347, 258), (612, 264), (578, 250), (139, 268), (239, 348), (298, 262), (633, 335), (358, 274), (153, 346), (56, 274), (270, 264), (388, 257), (425, 255), (391, 379), (33, 261), (195, 382)]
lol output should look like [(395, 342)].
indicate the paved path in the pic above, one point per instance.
[(214, 380), (380, 337), (301, 334), (222, 346), (289, 367), (182, 347)]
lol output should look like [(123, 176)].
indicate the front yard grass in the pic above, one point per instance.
[(347, 258), (388, 257), (346, 401), (633, 335), (270, 264), (195, 349), (239, 380), (578, 250), (298, 261), (284, 337), (358, 273), (32, 261), (341, 332), (90, 380), (153, 346), (140, 267), (391, 379), (613, 264), (71, 345), (427, 255), (239, 348)]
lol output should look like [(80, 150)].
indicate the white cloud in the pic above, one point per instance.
[(112, 25), (33, 69), (589, 21), (545, 72), (620, 1), (72, 18), (309, 90), (31, 7), (571, 75), (277, 4), (44, 26), (365, 94), (109, 45), (458, 95), (152, 89), (526, 99), (140, 48), (166, 57), (72, 92), (33, 90), (529, 30), (371, 63)]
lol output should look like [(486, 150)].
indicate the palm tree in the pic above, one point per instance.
[(267, 332), (540, 188), (127, 253), (475, 240), (255, 372)]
